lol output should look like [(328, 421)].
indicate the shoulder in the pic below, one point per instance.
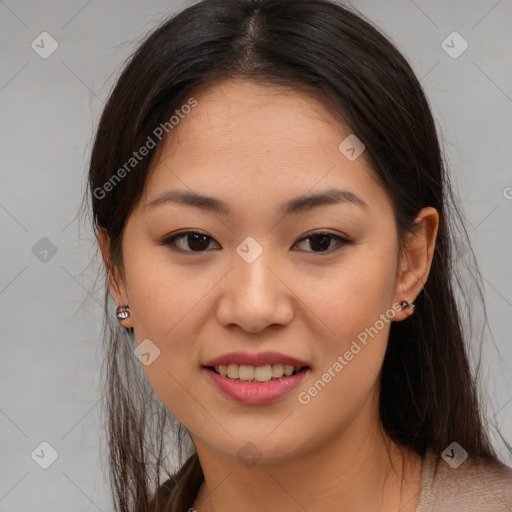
[(474, 486)]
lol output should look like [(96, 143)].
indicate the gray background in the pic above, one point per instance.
[(50, 307)]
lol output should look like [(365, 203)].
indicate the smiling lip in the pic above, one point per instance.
[(260, 359), (256, 393)]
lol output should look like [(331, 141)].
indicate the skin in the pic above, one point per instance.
[(254, 147)]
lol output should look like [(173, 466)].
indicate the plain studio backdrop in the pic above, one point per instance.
[(52, 94)]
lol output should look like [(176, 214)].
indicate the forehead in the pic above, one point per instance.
[(244, 138), (241, 116)]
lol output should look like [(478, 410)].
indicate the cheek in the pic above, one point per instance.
[(356, 306), (171, 306), (163, 295), (352, 297), (162, 301)]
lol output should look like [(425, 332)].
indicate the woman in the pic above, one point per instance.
[(276, 223)]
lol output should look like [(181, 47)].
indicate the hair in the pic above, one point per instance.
[(325, 49)]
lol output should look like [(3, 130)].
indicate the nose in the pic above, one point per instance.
[(254, 296)]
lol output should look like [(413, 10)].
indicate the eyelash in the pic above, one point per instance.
[(170, 241)]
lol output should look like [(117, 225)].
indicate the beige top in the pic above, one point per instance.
[(468, 488)]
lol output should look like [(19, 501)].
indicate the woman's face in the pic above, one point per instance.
[(255, 283)]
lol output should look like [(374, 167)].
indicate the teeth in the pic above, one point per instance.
[(233, 371), (288, 370), (245, 372), (277, 370), (250, 373)]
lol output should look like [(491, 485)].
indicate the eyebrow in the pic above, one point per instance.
[(292, 206)]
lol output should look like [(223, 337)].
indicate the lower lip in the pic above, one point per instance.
[(256, 393)]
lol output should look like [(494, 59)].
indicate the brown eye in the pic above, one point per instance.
[(194, 241), (321, 241), (189, 241)]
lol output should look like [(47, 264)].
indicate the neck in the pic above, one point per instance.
[(360, 470)]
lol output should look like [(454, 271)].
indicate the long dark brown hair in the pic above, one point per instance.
[(429, 396)]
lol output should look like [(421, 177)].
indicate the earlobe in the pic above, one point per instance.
[(117, 288), (416, 260)]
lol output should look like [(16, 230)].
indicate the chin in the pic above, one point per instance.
[(259, 447)]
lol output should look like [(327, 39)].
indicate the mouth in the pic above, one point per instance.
[(257, 374), (256, 385)]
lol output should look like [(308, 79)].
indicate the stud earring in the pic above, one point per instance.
[(123, 312), (407, 304)]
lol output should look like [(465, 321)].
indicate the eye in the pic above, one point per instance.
[(322, 240), (195, 240)]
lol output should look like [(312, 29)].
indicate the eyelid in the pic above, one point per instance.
[(169, 240), (317, 232), (342, 240)]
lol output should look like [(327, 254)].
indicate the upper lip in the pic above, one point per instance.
[(260, 359)]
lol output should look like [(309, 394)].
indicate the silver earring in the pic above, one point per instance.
[(407, 304), (123, 312)]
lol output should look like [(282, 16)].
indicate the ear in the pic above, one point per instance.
[(116, 282), (416, 260)]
